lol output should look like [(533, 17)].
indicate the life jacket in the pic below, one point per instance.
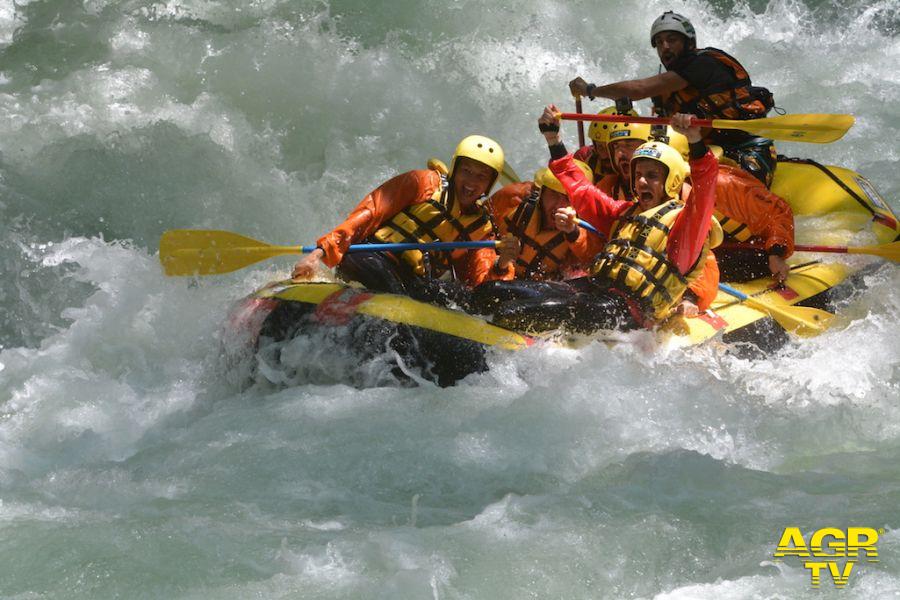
[(736, 100), (592, 159), (543, 252), (617, 191), (635, 260), (436, 219), (593, 162), (733, 229)]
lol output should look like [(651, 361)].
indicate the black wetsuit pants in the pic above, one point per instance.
[(382, 272), (583, 305), (739, 264), (580, 305)]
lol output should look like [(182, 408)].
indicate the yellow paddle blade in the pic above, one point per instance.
[(815, 128), (210, 252), (889, 251), (802, 320), (508, 175)]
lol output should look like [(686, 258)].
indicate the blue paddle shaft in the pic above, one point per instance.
[(730, 290), (589, 227), (402, 247)]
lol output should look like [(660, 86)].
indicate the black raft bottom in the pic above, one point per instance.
[(409, 352)]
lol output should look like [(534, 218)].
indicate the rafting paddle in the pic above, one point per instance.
[(813, 128), (585, 225), (508, 175), (890, 251), (802, 320), (212, 252), (579, 110)]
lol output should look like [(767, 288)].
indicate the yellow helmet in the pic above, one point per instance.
[(678, 169), (479, 148), (545, 177), (598, 131), (626, 131)]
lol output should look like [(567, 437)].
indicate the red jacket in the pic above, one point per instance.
[(691, 227)]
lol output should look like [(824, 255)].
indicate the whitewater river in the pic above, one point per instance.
[(132, 466)]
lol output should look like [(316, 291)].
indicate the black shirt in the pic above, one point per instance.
[(702, 71)]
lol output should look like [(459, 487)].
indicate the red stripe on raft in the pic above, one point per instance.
[(247, 318), (885, 220), (785, 292), (713, 319), (340, 307)]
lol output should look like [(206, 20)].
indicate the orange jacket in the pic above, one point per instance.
[(381, 204), (706, 287), (744, 199), (587, 155), (612, 186), (581, 251)]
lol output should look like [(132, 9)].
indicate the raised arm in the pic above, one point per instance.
[(636, 89), (692, 225), (379, 205)]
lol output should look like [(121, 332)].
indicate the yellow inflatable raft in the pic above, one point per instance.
[(840, 204)]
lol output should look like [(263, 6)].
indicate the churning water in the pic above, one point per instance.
[(131, 467)]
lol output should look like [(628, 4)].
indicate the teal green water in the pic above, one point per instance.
[(130, 464)]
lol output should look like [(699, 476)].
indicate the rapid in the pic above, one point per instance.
[(132, 465)]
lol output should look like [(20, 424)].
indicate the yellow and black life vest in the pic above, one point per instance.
[(733, 230), (437, 219), (543, 251), (593, 161), (736, 100), (598, 167), (635, 260)]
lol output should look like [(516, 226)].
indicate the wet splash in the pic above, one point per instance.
[(131, 462)]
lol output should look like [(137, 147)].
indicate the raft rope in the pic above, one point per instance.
[(875, 215), (834, 178)]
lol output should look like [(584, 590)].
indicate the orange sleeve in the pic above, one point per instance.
[(706, 287), (474, 267), (506, 200), (691, 227), (742, 197), (586, 247), (378, 206)]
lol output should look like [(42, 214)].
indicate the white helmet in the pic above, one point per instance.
[(671, 21)]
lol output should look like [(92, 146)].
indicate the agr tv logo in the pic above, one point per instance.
[(828, 545)]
